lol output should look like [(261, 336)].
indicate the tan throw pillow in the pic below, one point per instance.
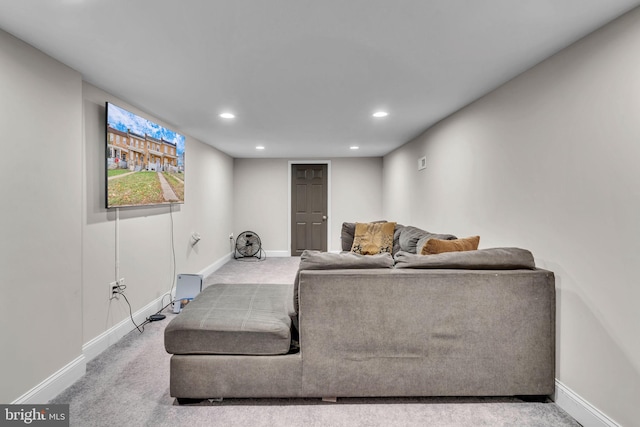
[(438, 246), (373, 238), (346, 234)]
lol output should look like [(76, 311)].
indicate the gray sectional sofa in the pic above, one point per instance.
[(477, 323)]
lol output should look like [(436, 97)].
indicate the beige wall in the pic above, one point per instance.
[(57, 250), (549, 162), (40, 243), (261, 202), (356, 193)]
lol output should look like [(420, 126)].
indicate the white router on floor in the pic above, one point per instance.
[(187, 287)]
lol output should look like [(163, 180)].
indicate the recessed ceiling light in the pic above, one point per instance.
[(379, 114), (228, 116), (260, 147), (354, 147)]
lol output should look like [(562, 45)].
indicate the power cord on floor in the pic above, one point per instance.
[(119, 290), (157, 315)]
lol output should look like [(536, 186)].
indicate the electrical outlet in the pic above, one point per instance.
[(113, 290), (116, 288)]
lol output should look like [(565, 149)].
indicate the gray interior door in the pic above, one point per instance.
[(308, 208)]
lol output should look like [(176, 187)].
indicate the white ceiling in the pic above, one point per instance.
[(303, 77)]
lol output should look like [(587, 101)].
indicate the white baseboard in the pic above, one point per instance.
[(55, 384), (72, 372), (277, 254), (97, 345), (581, 410), (216, 265), (270, 254)]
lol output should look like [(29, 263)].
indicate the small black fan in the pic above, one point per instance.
[(248, 244)]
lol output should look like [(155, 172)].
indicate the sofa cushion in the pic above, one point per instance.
[(481, 259), (438, 246), (249, 319), (410, 236), (373, 238), (316, 260)]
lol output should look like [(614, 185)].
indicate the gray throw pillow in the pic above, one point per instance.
[(410, 238)]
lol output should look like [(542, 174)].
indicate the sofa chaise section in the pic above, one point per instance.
[(234, 340)]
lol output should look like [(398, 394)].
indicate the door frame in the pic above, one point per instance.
[(309, 162)]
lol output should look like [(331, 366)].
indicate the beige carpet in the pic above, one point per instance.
[(128, 385)]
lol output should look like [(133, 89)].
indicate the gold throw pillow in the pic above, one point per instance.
[(373, 238)]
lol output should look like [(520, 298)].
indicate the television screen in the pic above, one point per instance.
[(144, 161)]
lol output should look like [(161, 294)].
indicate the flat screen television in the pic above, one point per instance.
[(144, 161)]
